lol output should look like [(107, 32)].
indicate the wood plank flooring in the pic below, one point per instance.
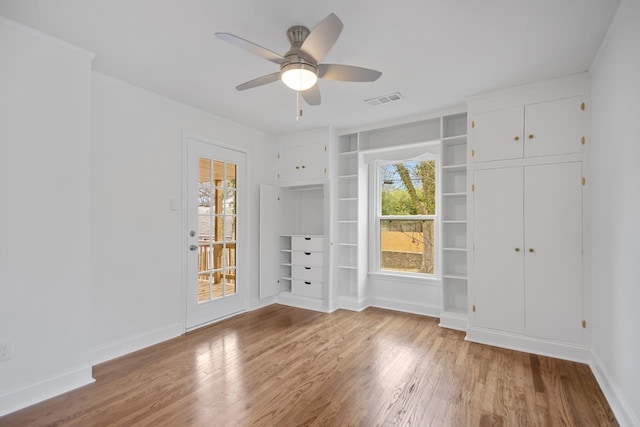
[(283, 366)]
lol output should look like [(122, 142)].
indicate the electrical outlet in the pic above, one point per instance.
[(5, 350)]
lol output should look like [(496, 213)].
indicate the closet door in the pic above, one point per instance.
[(497, 135), (498, 252), (553, 127), (553, 251)]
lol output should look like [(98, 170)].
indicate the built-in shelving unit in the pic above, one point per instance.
[(347, 211), (454, 221)]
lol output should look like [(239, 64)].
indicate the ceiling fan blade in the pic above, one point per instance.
[(347, 73), (322, 37), (312, 95), (251, 47), (269, 78)]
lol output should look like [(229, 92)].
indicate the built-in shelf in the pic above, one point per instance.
[(454, 221), (348, 154), (454, 276), (460, 194), (351, 176), (455, 249), (348, 267), (348, 199), (462, 138), (286, 264), (459, 311), (285, 250), (454, 168), (344, 221), (347, 244)]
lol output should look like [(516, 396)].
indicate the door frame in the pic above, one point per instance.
[(242, 224)]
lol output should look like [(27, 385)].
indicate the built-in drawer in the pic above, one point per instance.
[(307, 273), (307, 259), (306, 288), (307, 244)]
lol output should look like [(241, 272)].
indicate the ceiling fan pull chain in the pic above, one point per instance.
[(298, 109)]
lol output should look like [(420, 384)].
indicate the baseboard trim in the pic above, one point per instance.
[(111, 351), (406, 306), (619, 405), (26, 396), (575, 353), (352, 303)]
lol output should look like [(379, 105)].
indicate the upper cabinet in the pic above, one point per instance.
[(539, 129), (303, 157)]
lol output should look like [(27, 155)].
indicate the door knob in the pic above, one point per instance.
[(193, 248)]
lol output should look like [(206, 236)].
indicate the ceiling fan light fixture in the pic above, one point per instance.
[(299, 76)]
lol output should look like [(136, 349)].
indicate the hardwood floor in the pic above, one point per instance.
[(283, 366)]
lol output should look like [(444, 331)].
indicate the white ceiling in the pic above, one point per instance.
[(434, 52)]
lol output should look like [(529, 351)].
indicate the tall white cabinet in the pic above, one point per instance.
[(295, 223), (527, 286)]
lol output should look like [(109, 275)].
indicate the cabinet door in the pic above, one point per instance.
[(553, 255), (497, 135), (553, 127), (498, 253), (302, 163), (269, 241)]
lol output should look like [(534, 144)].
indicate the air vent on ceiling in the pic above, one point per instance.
[(384, 99)]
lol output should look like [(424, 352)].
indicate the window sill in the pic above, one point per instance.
[(407, 278)]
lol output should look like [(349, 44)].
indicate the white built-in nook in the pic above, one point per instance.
[(528, 289), (443, 294), (295, 224)]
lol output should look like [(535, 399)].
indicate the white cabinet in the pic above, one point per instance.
[(528, 250), (527, 289), (498, 271), (303, 158), (538, 129), (292, 241)]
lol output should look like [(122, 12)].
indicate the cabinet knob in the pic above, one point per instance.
[(517, 249), (516, 138), (531, 136), (532, 250), (297, 167), (302, 166)]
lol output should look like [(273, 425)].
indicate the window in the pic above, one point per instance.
[(406, 216)]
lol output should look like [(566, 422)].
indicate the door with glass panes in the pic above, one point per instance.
[(215, 226)]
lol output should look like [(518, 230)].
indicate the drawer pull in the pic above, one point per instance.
[(307, 253), (307, 283), (307, 268), (307, 238)]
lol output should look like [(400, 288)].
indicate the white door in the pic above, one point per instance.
[(553, 127), (498, 252), (216, 236), (270, 218), (553, 239), (497, 135)]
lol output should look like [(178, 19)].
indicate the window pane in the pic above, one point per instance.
[(408, 188), (231, 175), (407, 245)]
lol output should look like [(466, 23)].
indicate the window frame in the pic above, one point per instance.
[(376, 217)]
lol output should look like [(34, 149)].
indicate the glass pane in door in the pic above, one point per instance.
[(216, 229)]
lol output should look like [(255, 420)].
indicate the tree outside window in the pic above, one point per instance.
[(407, 216)]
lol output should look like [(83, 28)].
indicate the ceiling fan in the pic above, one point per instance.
[(299, 67)]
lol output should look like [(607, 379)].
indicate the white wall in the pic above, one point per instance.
[(136, 239), (616, 213), (45, 88)]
